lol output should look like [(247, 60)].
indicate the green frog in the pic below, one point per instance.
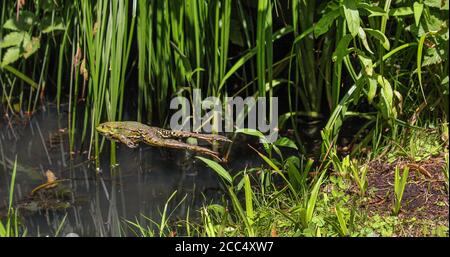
[(131, 133)]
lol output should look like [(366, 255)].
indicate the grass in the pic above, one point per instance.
[(193, 47), (11, 227), (384, 64), (328, 203), (399, 187), (333, 203)]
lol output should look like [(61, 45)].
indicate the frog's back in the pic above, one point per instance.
[(133, 124)]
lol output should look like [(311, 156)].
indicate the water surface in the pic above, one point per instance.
[(100, 202)]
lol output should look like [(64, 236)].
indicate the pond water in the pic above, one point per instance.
[(97, 204)]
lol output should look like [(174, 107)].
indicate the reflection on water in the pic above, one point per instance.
[(141, 183)]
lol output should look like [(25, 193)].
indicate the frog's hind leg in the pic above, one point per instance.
[(171, 143), (210, 138), (207, 137)]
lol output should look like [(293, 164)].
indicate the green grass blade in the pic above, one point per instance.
[(217, 168), (313, 199), (248, 199)]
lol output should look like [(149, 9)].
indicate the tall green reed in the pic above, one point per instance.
[(107, 37), (344, 55), (12, 227)]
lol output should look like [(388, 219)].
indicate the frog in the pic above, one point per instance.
[(131, 133)]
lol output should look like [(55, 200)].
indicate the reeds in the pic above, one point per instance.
[(107, 36), (12, 227), (383, 62), (343, 56)]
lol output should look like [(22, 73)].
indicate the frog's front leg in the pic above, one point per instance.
[(125, 140)]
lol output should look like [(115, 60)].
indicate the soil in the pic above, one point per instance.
[(425, 196)]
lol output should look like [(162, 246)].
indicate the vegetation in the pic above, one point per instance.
[(11, 227), (371, 76)]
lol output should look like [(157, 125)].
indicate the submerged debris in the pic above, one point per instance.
[(51, 182)]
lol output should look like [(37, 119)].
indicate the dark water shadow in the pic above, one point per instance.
[(97, 204)]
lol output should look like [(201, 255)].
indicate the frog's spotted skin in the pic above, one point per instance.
[(131, 133)]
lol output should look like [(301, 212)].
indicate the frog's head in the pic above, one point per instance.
[(111, 129), (125, 132)]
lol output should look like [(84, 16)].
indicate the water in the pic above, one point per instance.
[(97, 204)]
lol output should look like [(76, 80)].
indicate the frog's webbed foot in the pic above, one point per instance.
[(210, 138)]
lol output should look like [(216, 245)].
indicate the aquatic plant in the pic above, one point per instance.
[(12, 227), (380, 68), (400, 182)]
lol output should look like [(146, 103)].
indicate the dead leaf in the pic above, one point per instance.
[(83, 70), (95, 29), (20, 4), (52, 181), (77, 57), (51, 178), (273, 232), (419, 168)]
